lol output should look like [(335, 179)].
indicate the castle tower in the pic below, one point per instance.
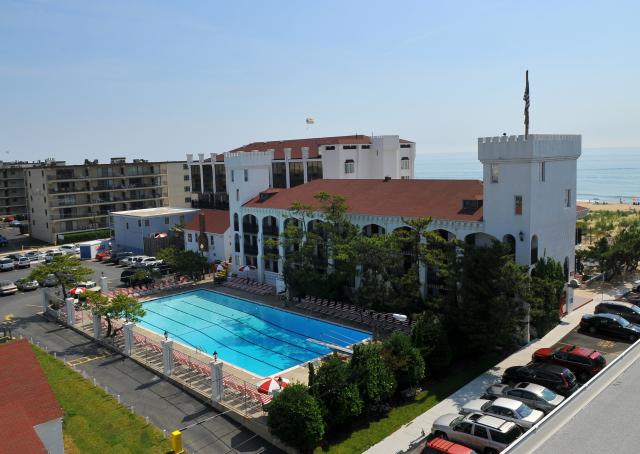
[(530, 194)]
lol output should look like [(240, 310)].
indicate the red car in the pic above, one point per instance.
[(103, 255), (582, 361), (440, 445)]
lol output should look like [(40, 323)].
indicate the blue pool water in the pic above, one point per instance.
[(254, 337)]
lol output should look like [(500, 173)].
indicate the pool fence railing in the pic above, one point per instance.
[(197, 373)]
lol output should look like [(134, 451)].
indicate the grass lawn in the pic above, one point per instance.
[(362, 439), (94, 422)]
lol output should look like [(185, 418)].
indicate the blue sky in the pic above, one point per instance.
[(161, 79)]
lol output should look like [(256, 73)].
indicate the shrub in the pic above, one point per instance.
[(404, 360), (295, 418), (430, 337), (76, 237), (375, 380), (337, 394)]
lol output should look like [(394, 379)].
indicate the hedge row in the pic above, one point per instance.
[(89, 235)]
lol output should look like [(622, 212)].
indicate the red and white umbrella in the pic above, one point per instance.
[(271, 384), (77, 290), (244, 268)]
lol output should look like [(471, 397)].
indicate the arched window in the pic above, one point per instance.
[(534, 249), (237, 243), (510, 242), (405, 163), (236, 223), (349, 166)]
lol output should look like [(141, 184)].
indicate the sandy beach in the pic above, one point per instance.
[(609, 206)]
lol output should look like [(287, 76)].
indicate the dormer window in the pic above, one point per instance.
[(349, 166)]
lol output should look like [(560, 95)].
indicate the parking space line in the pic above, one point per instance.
[(87, 359)]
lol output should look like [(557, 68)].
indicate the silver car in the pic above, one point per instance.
[(480, 432), (507, 409), (535, 396), (7, 288), (6, 264)]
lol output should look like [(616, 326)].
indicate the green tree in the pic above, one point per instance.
[(337, 393), (66, 268), (295, 418), (547, 286), (119, 307), (484, 306), (186, 263), (429, 335), (404, 360), (375, 380)]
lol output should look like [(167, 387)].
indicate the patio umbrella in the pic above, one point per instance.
[(77, 290), (271, 384)]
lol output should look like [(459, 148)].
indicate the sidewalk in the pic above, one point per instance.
[(400, 439)]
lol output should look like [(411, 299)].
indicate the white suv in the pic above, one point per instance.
[(146, 261), (70, 249), (486, 434)]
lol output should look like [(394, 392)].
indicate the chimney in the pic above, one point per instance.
[(203, 244), (387, 179)]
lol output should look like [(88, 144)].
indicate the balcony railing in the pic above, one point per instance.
[(75, 176)]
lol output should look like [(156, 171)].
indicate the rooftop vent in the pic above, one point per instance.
[(387, 179), (264, 196)]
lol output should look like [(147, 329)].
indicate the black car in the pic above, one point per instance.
[(628, 311), (128, 277), (556, 378), (610, 324), (117, 256), (162, 269)]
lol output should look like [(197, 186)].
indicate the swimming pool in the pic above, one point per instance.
[(258, 338)]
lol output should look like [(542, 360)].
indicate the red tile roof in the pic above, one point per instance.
[(215, 221), (439, 199), (23, 383), (297, 144), (18, 432), (24, 388)]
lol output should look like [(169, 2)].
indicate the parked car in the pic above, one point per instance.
[(556, 378), (15, 223), (14, 257), (50, 281), (6, 264), (70, 249), (535, 396), (610, 324), (507, 409), (23, 262), (3, 241), (7, 288), (51, 254), (35, 256), (583, 362), (629, 311), (147, 262), (441, 446), (117, 256), (129, 261), (162, 269), (102, 256), (127, 277), (26, 285), (483, 433)]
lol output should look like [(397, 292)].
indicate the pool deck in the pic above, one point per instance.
[(295, 374)]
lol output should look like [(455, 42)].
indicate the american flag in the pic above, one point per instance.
[(526, 106)]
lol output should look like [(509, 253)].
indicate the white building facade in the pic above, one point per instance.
[(528, 200)]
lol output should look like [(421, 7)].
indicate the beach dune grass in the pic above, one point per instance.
[(94, 422)]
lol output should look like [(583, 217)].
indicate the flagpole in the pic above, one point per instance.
[(525, 98)]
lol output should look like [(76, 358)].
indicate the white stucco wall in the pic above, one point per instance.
[(50, 434), (544, 211), (220, 250)]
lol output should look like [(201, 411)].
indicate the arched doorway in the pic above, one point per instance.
[(270, 242), (510, 242)]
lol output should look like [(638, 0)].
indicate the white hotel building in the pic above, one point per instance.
[(526, 198)]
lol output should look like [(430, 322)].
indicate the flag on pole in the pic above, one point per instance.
[(526, 106)]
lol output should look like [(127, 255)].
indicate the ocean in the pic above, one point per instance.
[(603, 174)]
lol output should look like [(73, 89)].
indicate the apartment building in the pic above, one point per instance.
[(290, 163), (71, 198), (13, 193)]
